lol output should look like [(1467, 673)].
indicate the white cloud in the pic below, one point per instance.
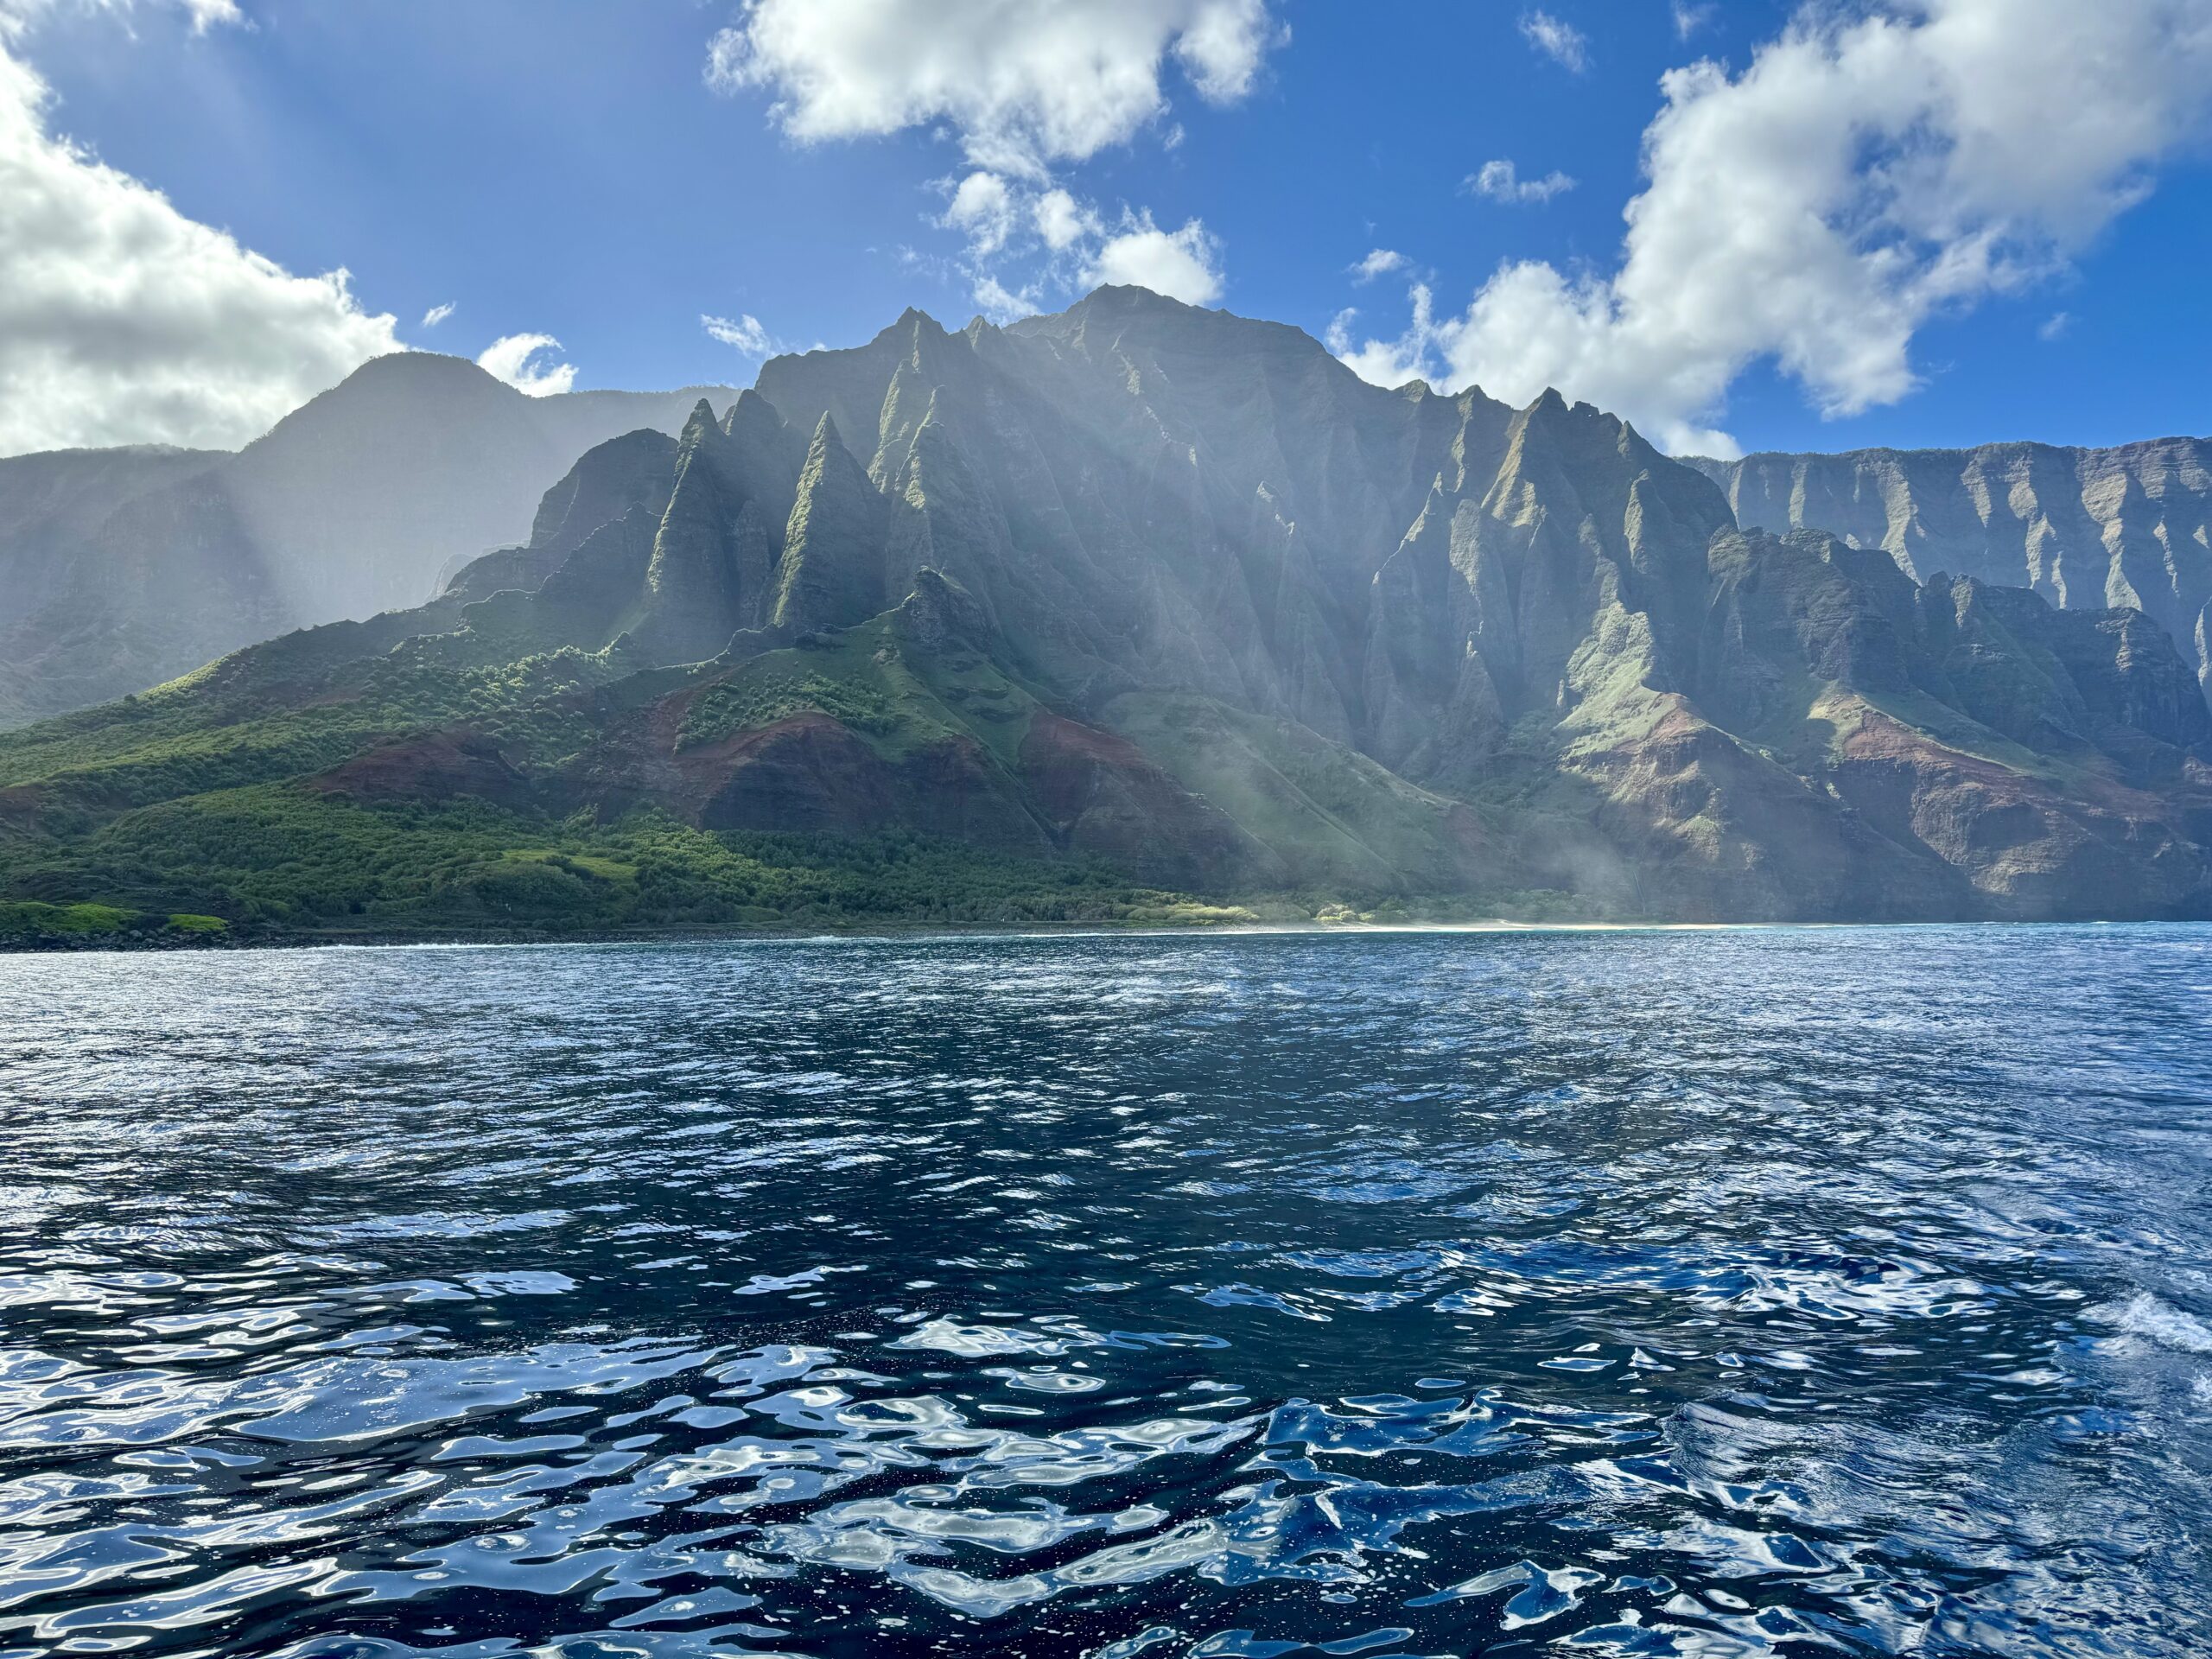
[(1183, 264), (1382, 362), (1002, 304), (1380, 262), (1024, 86), (123, 321), (1061, 220), (743, 333), (1502, 181), (1690, 16), (1867, 172), (518, 359), (1562, 42), (1025, 89), (18, 15), (2056, 326), (438, 313), (983, 209)]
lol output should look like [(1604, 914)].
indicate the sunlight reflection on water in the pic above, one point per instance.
[(1726, 1294)]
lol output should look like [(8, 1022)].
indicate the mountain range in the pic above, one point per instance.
[(1139, 609), (2129, 527), (120, 568)]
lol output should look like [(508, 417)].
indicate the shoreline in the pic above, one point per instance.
[(925, 933)]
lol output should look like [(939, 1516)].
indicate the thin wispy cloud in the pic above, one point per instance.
[(438, 313), (207, 14), (1690, 16), (1560, 42), (1380, 262), (1501, 181), (742, 334)]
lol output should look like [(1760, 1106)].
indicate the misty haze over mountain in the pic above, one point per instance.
[(1178, 590)]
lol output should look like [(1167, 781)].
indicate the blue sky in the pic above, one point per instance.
[(564, 167)]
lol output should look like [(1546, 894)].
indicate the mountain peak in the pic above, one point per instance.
[(702, 421), (754, 414), (423, 367), (914, 327), (1183, 560), (1131, 296)]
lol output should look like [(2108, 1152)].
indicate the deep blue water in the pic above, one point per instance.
[(1718, 1293)]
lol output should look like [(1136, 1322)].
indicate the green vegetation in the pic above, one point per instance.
[(214, 809), (34, 924), (64, 920), (865, 678), (1351, 824), (751, 701), (191, 814), (285, 860), (246, 721)]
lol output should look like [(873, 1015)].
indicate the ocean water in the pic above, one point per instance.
[(1721, 1293)]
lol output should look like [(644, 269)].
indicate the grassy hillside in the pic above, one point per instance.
[(283, 859), (304, 791)]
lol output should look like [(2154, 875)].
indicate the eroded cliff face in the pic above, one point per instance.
[(1174, 588), (1398, 638), (2088, 528)]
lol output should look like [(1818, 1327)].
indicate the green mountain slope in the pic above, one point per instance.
[(1119, 612)]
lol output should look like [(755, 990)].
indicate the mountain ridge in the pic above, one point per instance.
[(1146, 595), (2129, 524), (121, 572)]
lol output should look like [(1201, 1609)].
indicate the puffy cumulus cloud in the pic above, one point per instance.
[(1077, 243), (1866, 172), (1183, 264), (1502, 181), (1025, 85), (983, 208), (741, 333), (1026, 90), (1561, 42), (122, 321), (525, 362), (1061, 220)]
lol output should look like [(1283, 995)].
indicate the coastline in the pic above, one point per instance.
[(924, 932)]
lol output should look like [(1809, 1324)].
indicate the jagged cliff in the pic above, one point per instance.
[(1173, 589), (2088, 529)]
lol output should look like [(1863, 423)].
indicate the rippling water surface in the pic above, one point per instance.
[(1724, 1294)]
